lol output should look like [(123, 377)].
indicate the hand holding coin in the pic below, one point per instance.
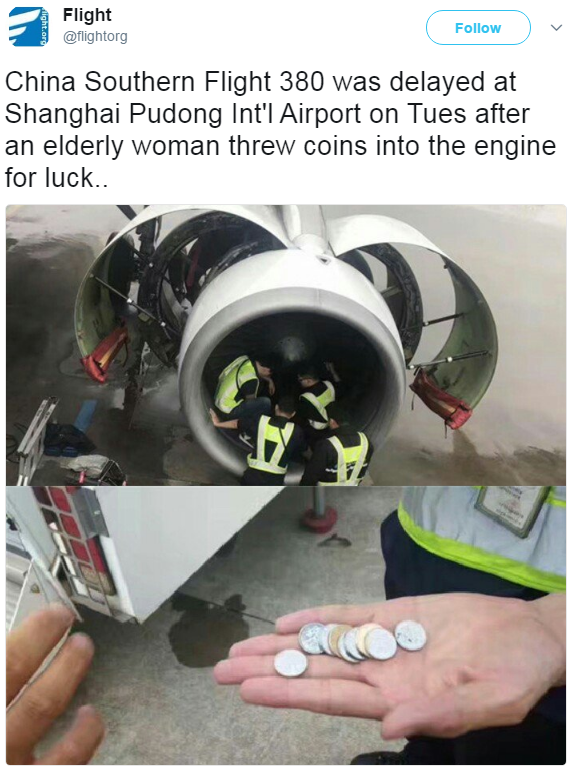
[(463, 662)]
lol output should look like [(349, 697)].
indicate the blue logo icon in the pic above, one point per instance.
[(28, 26)]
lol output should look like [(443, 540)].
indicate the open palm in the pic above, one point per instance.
[(487, 662)]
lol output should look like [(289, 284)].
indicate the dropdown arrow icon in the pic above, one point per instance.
[(557, 28)]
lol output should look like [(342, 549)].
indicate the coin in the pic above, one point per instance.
[(350, 639), (290, 663), (410, 635), (343, 651), (325, 640), (334, 636), (310, 638), (362, 634), (380, 644)]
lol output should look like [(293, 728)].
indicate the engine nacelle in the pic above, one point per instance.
[(235, 280), (299, 306)]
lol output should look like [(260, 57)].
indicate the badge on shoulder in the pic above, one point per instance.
[(515, 507)]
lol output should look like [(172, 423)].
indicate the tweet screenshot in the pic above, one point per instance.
[(255, 255)]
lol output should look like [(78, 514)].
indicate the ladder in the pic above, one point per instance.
[(31, 448)]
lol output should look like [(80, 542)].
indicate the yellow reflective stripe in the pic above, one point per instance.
[(277, 436), (226, 390), (246, 374), (352, 453), (553, 500), (363, 449), (230, 380), (346, 456), (320, 403), (230, 366), (316, 403), (266, 467), (328, 396), (262, 438), (269, 432), (476, 558), (226, 401), (341, 465)]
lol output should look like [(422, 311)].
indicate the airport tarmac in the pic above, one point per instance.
[(153, 683), (516, 254)]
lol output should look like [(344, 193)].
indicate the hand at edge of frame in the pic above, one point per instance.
[(32, 709)]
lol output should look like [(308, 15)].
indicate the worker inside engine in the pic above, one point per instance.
[(342, 456), (245, 388), (274, 441), (316, 395)]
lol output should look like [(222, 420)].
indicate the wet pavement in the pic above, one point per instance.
[(153, 683), (515, 254)]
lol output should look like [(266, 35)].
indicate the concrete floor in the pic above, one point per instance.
[(515, 254), (153, 683)]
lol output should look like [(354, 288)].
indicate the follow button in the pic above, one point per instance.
[(478, 27)]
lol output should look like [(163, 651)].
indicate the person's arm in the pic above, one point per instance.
[(303, 410), (231, 424), (486, 663), (315, 468), (308, 412), (33, 707), (333, 371), (301, 444), (249, 389), (270, 385), (296, 445), (551, 613)]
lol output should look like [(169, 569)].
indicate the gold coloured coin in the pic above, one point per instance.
[(334, 637), (324, 642), (362, 634)]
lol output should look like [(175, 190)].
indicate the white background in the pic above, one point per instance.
[(359, 37)]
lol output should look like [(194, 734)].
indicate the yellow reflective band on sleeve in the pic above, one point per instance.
[(476, 558), (553, 500)]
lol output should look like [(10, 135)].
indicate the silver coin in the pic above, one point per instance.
[(325, 640), (343, 653), (310, 638), (410, 635), (350, 639), (380, 644), (290, 663)]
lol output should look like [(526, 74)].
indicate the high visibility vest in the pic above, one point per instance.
[(350, 462), (230, 381), (274, 434), (320, 403), (446, 521)]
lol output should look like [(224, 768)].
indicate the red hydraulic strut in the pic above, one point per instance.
[(97, 364)]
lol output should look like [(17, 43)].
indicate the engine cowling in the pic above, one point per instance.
[(232, 280)]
